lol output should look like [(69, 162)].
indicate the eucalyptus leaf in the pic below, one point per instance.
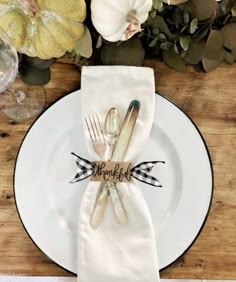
[(229, 32), (186, 17), (99, 42), (153, 42), (35, 76), (205, 9), (159, 22), (189, 7), (193, 25), (174, 61), (155, 31), (157, 4), (200, 9), (141, 34), (175, 18), (153, 13), (83, 46), (184, 28), (184, 42), (166, 45), (129, 53), (233, 52), (210, 65), (195, 52), (227, 19), (201, 33), (224, 7), (182, 53), (148, 33), (214, 45), (233, 11), (37, 62), (229, 58), (162, 36), (176, 50)]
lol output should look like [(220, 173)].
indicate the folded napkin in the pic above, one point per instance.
[(114, 252)]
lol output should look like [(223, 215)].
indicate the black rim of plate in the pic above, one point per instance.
[(209, 159)]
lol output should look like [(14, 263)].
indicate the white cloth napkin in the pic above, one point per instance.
[(113, 252)]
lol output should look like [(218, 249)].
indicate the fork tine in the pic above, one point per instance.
[(92, 128), (100, 129), (96, 128), (90, 134)]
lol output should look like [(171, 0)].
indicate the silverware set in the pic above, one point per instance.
[(116, 139)]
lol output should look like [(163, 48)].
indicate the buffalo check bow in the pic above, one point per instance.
[(140, 171)]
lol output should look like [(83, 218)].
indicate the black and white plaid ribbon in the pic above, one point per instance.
[(140, 171)]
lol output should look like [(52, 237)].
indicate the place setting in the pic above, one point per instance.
[(109, 174), (113, 181)]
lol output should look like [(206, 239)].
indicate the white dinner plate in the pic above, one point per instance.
[(48, 204)]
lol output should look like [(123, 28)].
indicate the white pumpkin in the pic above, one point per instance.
[(119, 20)]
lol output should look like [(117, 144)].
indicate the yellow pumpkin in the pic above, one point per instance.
[(43, 28)]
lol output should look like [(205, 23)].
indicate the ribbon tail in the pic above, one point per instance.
[(146, 166), (85, 169), (146, 178), (82, 163), (81, 175)]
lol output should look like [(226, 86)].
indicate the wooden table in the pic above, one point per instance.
[(210, 100)]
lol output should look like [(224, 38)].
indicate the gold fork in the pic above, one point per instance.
[(99, 146), (96, 135)]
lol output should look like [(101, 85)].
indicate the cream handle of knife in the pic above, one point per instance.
[(118, 206), (101, 201)]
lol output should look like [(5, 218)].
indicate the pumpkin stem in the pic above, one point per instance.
[(30, 7), (134, 25)]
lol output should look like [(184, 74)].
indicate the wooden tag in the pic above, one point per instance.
[(112, 171)]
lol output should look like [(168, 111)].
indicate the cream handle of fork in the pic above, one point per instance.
[(101, 201), (99, 207)]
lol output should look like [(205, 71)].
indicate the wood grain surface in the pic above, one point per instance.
[(210, 100)]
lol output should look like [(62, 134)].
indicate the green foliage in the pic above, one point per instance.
[(35, 76), (35, 71), (129, 53), (195, 52), (83, 46), (193, 25), (157, 4), (174, 61), (181, 32), (184, 42), (233, 11), (193, 32)]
